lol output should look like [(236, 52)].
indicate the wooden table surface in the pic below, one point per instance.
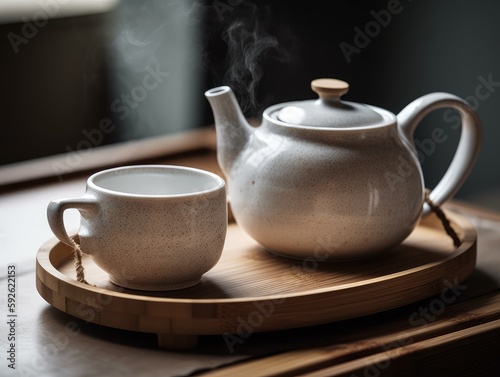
[(430, 337)]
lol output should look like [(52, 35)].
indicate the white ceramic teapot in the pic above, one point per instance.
[(332, 176)]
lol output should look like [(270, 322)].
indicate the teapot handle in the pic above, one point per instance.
[(468, 148)]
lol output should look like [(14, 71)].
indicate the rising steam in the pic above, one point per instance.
[(248, 44), (244, 29)]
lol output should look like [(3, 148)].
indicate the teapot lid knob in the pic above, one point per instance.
[(329, 88)]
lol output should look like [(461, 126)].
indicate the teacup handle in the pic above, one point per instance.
[(468, 147), (87, 205)]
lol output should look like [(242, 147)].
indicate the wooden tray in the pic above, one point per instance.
[(252, 290)]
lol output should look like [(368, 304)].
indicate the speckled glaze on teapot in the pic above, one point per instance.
[(331, 179)]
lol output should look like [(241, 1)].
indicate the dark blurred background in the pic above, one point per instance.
[(67, 76)]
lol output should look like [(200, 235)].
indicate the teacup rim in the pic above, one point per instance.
[(90, 181)]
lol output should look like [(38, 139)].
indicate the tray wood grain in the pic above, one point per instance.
[(256, 288)]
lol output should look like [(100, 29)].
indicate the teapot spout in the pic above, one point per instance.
[(232, 129)]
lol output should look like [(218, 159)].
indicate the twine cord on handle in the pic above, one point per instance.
[(444, 220), (77, 257)]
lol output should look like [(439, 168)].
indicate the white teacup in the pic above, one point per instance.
[(150, 227)]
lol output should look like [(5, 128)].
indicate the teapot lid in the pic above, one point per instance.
[(329, 110)]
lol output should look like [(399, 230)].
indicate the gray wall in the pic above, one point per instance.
[(427, 45)]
